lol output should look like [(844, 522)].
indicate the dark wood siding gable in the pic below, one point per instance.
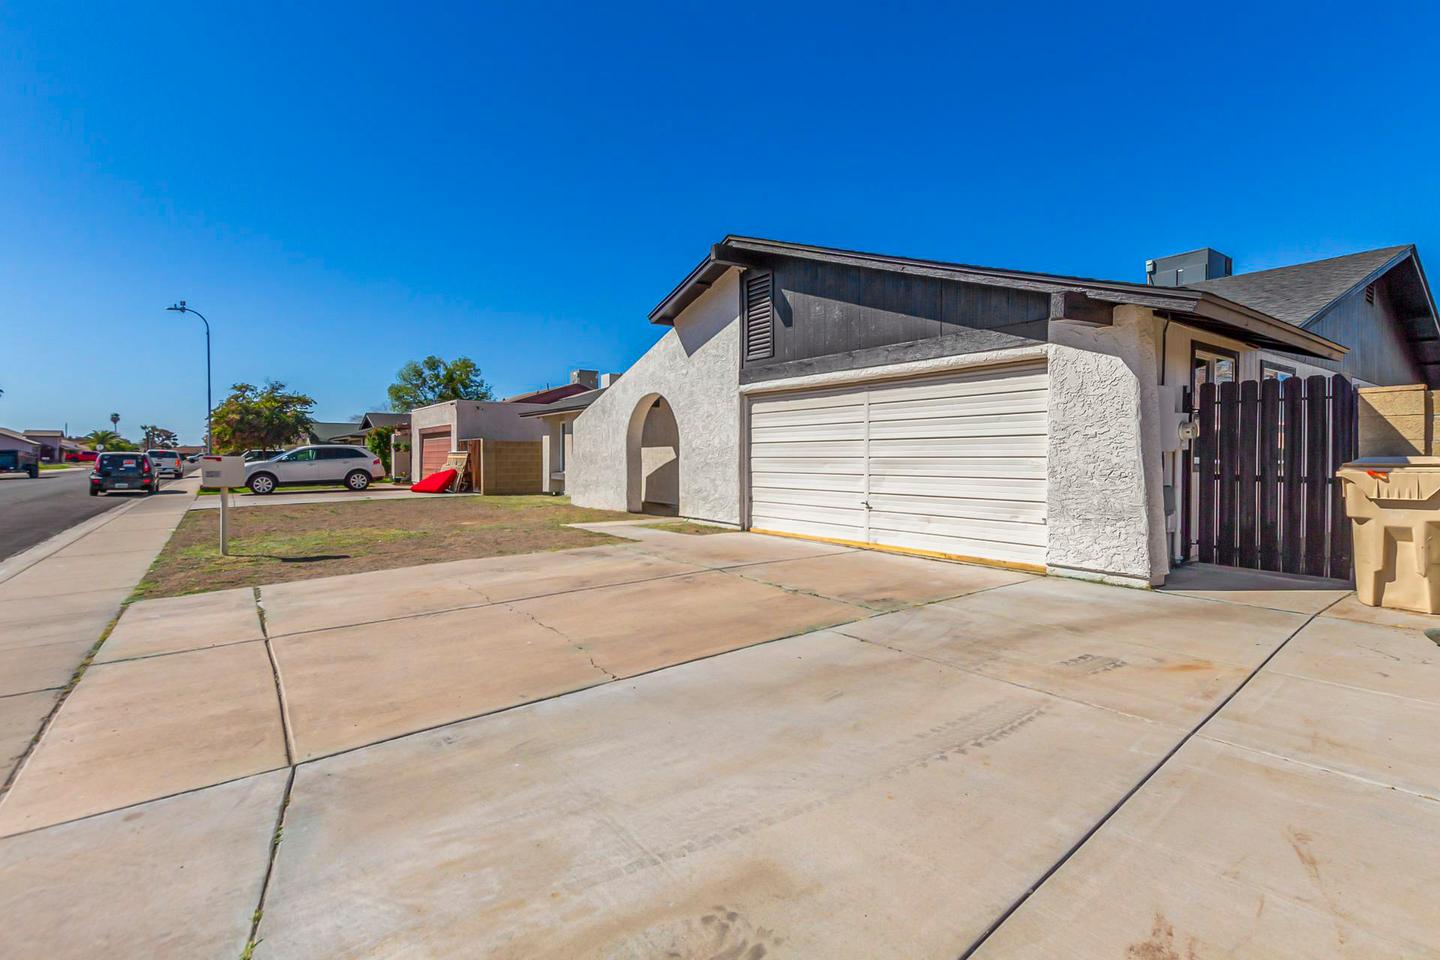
[(1372, 329), (825, 310)]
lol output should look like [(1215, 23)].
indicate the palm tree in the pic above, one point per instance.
[(148, 429), (115, 420), (106, 438)]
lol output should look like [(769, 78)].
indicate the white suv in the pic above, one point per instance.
[(326, 463), (167, 462)]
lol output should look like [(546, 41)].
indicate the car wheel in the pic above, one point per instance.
[(94, 492), (261, 483), (357, 480)]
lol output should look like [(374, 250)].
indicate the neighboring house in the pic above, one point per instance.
[(330, 432), (51, 444), (1020, 419), (15, 440), (559, 419), (376, 419), (438, 430), (581, 381)]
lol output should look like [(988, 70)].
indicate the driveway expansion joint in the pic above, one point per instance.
[(1105, 818)]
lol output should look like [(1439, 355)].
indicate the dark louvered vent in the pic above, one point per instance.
[(759, 316), (1370, 293)]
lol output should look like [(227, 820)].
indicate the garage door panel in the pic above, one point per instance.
[(808, 432), (768, 480), (953, 464), (433, 451), (1033, 534), (830, 399), (1025, 401), (994, 467), (960, 447), (799, 449), (960, 488), (1006, 425), (983, 385), (792, 418), (974, 508), (853, 520), (846, 499)]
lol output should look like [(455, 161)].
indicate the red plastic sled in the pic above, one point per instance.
[(437, 482)]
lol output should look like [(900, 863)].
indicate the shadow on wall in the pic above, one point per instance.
[(701, 326), (653, 457)]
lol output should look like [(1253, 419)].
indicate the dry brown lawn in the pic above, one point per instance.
[(304, 541)]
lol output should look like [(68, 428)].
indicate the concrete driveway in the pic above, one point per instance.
[(737, 746)]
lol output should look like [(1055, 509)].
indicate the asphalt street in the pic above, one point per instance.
[(32, 511)]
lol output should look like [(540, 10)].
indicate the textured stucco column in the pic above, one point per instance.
[(695, 367), (1106, 514)]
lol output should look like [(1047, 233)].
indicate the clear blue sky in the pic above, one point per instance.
[(342, 188)]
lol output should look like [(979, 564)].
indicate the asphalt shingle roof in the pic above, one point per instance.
[(1296, 294)]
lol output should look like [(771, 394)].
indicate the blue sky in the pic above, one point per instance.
[(344, 187)]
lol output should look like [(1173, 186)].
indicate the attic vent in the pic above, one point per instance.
[(1370, 293), (759, 309)]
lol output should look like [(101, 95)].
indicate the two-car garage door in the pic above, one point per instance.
[(952, 465)]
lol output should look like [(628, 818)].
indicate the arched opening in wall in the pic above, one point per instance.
[(652, 448)]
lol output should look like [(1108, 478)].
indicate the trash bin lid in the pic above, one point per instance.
[(1394, 478)]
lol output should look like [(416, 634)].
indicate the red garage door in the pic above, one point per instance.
[(434, 448)]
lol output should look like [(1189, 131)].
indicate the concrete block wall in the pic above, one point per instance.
[(509, 466), (1398, 421)]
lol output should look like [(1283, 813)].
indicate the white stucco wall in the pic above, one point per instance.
[(696, 367), (1105, 511)]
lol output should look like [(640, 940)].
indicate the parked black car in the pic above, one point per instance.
[(123, 471), (19, 461)]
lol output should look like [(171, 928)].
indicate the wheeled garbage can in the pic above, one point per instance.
[(1394, 508)]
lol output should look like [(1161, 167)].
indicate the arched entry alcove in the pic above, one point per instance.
[(652, 455)]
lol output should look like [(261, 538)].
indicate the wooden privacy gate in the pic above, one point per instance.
[(1261, 480)]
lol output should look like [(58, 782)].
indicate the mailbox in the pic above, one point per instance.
[(222, 471)]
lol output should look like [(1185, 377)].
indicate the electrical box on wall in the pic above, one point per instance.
[(1172, 419)]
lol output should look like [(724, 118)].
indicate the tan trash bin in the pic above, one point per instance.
[(1394, 507)]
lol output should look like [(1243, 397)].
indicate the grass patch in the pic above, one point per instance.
[(60, 466), (328, 538), (685, 526)]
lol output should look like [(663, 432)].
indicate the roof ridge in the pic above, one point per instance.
[(1314, 263)]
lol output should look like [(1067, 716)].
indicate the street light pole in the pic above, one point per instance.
[(209, 404)]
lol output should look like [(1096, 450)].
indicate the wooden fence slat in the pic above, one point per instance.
[(1317, 474), (1205, 474), (1246, 487), (1343, 449), (1268, 452), (1229, 466), (1292, 398)]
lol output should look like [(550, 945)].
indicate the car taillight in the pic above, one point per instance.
[(144, 466), (377, 462)]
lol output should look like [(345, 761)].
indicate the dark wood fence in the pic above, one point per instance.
[(1264, 475)]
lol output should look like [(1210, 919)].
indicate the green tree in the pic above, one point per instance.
[(378, 440), (433, 380), (159, 437), (109, 439), (266, 418)]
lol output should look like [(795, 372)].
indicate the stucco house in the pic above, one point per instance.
[(51, 444), (15, 440), (1013, 418)]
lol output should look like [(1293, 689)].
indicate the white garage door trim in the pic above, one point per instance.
[(949, 465)]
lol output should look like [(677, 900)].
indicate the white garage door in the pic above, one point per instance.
[(952, 465)]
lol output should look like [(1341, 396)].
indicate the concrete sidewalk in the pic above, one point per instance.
[(57, 599)]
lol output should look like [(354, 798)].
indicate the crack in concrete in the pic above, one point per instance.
[(274, 853), (579, 647)]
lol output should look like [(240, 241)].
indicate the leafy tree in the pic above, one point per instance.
[(159, 437), (266, 418), (378, 440), (433, 380), (109, 439)]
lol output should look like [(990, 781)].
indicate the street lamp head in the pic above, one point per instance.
[(180, 307)]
